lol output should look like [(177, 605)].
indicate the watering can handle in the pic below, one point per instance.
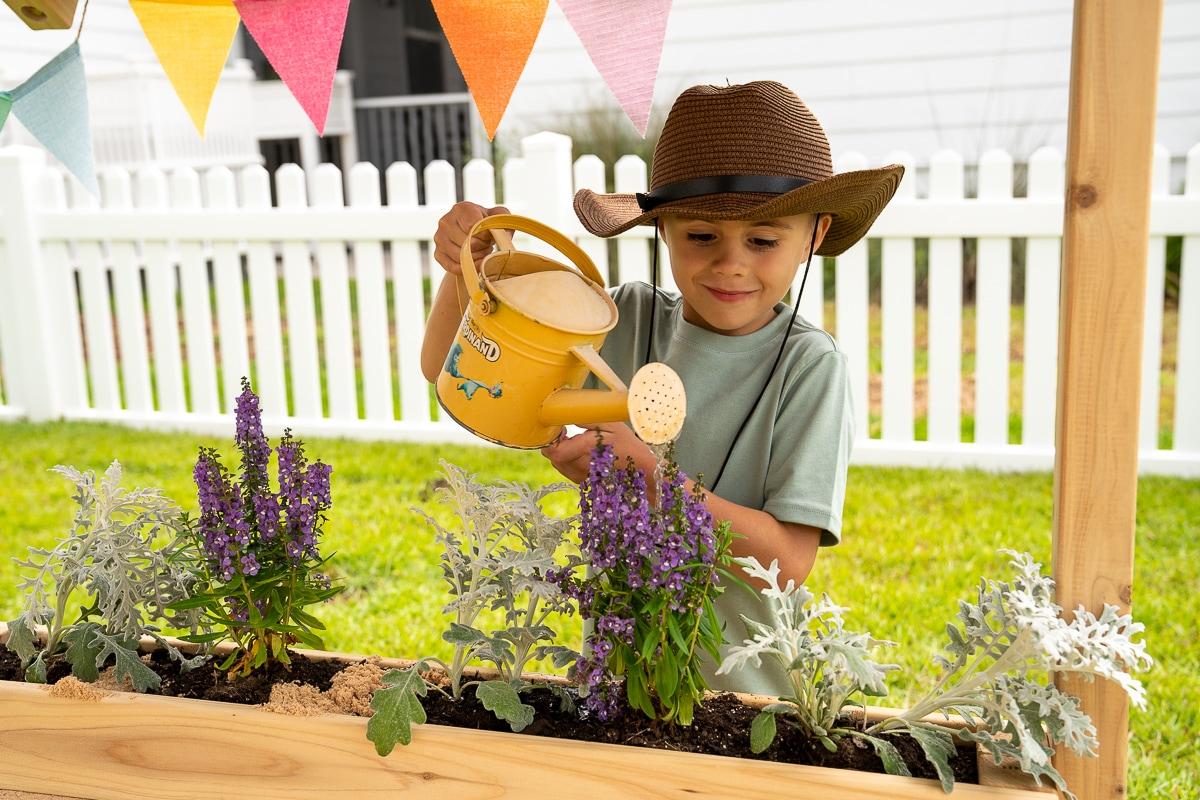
[(500, 222)]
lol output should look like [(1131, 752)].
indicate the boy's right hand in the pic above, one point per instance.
[(453, 228)]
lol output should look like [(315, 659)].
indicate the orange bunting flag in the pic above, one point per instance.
[(192, 40), (491, 41)]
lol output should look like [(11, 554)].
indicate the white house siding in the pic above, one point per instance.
[(880, 75), (112, 39)]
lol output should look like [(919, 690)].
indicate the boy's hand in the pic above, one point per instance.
[(571, 455), (453, 228)]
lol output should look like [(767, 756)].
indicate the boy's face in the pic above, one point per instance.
[(732, 273)]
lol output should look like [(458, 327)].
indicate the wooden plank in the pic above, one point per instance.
[(945, 307), (1114, 65), (338, 333), (298, 294), (993, 301), (197, 306), (143, 746), (409, 301), (1042, 257), (263, 275), (1187, 369), (373, 329), (899, 292), (852, 296), (230, 291)]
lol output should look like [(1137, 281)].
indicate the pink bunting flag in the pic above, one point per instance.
[(624, 39), (301, 39)]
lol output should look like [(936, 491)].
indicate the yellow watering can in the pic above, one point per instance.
[(513, 377)]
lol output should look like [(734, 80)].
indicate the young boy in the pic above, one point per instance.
[(743, 192)]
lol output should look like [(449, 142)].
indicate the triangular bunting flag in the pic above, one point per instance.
[(301, 39), (53, 107), (624, 39), (5, 107), (491, 42), (192, 40)]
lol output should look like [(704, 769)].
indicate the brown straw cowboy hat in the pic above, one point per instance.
[(748, 151)]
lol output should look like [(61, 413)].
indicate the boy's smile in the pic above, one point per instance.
[(731, 273)]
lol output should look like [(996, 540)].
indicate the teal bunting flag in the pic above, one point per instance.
[(53, 107), (5, 107)]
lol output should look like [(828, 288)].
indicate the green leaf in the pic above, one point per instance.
[(676, 634), (666, 679), (762, 732), (128, 664), (502, 699), (195, 601), (36, 671), (893, 763), (82, 650), (397, 707), (938, 746), (463, 635), (20, 639)]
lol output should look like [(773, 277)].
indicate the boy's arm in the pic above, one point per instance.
[(450, 303)]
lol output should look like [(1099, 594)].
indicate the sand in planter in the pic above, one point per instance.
[(71, 688), (349, 693), (561, 299)]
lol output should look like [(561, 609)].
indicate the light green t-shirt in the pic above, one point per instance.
[(790, 460)]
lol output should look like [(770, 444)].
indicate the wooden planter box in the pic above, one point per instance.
[(166, 748)]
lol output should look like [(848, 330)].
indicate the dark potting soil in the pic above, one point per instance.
[(720, 727)]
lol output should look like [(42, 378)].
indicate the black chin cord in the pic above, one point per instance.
[(653, 294), (782, 345)]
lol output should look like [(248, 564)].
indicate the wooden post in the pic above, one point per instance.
[(1114, 72)]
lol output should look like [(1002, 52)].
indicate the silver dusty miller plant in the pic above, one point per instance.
[(125, 554), (826, 665), (1000, 661), (498, 556)]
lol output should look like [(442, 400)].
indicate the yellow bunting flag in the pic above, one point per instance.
[(192, 39), (491, 42)]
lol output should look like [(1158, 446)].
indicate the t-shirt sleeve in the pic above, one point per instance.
[(810, 450)]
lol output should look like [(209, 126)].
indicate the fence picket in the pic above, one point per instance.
[(852, 299), (589, 174), (373, 331), (633, 256), (945, 307), (64, 301), (993, 300), (898, 290), (152, 195), (97, 312), (440, 193), (1152, 322), (263, 274), (227, 278), (1042, 264), (410, 303), (127, 291), (479, 183), (1187, 363), (298, 297), (812, 299), (197, 309), (333, 272)]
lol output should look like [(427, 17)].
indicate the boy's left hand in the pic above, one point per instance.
[(571, 455)]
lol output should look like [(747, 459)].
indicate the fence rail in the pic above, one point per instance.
[(148, 307)]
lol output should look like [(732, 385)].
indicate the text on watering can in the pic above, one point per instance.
[(486, 347)]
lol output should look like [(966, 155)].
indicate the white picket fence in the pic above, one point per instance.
[(146, 309)]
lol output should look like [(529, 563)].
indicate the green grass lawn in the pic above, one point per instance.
[(915, 541)]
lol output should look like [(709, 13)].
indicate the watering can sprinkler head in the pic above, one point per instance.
[(532, 359)]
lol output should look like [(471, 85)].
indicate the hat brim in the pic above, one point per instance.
[(854, 199)]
